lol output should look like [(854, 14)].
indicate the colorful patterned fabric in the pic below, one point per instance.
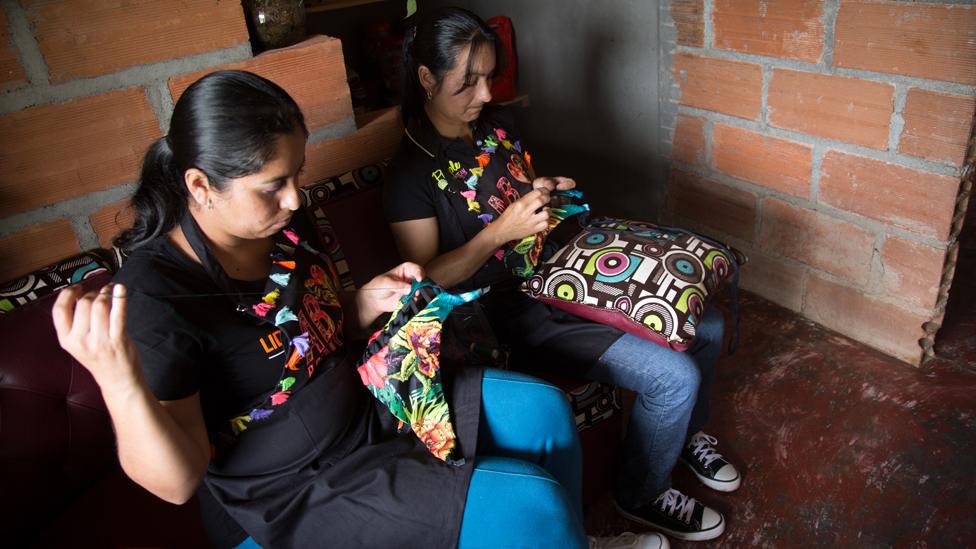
[(401, 366), (653, 282), (301, 299), (50, 279), (499, 155)]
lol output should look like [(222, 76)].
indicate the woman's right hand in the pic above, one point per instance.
[(526, 216), (91, 327)]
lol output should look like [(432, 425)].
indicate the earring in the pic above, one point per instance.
[(429, 95), (209, 204)]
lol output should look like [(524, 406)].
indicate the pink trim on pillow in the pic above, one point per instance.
[(616, 319)]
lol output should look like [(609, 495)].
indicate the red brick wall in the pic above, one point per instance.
[(827, 140), (88, 86)]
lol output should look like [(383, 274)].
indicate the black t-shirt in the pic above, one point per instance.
[(412, 192), (192, 340), (327, 464), (540, 336)]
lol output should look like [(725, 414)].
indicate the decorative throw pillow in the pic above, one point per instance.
[(650, 281), (401, 366)]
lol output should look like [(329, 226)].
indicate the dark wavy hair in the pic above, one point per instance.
[(436, 42), (226, 125)]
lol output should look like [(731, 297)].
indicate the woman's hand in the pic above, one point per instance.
[(91, 327), (554, 183), (383, 293), (526, 216)]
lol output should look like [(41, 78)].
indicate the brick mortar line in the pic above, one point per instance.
[(829, 21), (139, 75), (817, 68), (897, 123), (763, 192), (817, 155), (342, 128), (23, 41), (69, 208), (876, 272), (161, 101), (767, 75), (708, 23), (807, 269), (87, 239), (891, 157)]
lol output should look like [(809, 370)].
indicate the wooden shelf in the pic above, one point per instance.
[(338, 5)]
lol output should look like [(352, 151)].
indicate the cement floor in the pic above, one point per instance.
[(840, 445)]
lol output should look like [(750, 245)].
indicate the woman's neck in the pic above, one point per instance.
[(241, 259), (451, 129)]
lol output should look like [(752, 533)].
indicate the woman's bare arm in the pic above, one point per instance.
[(162, 445), (418, 241)]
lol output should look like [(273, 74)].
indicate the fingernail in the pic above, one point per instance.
[(118, 290)]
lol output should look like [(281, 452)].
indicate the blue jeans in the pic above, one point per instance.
[(672, 404), (526, 489)]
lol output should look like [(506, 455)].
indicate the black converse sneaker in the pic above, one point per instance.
[(679, 516), (708, 465)]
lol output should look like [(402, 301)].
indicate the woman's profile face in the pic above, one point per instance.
[(261, 204), (461, 95)]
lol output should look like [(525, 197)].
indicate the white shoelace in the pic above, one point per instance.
[(702, 448), (675, 503)]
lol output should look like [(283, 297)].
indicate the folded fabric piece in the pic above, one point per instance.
[(653, 282), (401, 366), (522, 257)]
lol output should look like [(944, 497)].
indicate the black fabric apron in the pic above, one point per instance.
[(327, 469), (541, 337)]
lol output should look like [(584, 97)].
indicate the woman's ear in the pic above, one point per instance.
[(427, 79), (198, 185)]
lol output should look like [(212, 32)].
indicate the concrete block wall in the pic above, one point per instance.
[(86, 87), (827, 139)]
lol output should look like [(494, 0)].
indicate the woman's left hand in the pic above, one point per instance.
[(383, 293), (554, 183)]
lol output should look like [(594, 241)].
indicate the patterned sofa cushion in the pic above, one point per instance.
[(33, 286), (317, 195)]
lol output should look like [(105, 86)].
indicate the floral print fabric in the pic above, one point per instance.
[(401, 366)]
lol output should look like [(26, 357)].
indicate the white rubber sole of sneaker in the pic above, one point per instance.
[(721, 486), (702, 535)]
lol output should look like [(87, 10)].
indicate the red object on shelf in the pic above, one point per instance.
[(503, 85)]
